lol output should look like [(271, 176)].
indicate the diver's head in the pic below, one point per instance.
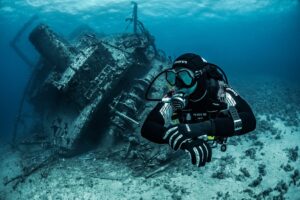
[(188, 77)]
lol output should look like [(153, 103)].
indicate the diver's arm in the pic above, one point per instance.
[(153, 128), (224, 126)]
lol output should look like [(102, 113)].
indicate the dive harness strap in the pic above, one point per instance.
[(237, 122)]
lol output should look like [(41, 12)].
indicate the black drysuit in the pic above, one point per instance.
[(210, 116)]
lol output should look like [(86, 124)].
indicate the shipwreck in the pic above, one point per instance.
[(88, 87)]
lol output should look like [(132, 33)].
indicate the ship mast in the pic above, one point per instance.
[(134, 17)]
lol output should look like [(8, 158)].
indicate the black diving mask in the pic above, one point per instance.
[(181, 78)]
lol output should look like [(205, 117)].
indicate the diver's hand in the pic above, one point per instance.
[(200, 152), (177, 135)]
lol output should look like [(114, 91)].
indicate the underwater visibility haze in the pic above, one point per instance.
[(73, 76)]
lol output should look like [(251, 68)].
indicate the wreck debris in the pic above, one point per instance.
[(170, 161), (30, 170)]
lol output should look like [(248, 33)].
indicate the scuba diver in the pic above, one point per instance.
[(200, 112)]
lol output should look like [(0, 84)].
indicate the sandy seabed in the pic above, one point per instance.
[(263, 164)]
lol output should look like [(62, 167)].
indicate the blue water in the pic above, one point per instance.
[(258, 38)]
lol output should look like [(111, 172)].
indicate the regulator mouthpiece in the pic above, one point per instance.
[(178, 101)]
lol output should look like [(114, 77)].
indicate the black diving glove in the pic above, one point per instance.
[(200, 152), (179, 134)]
